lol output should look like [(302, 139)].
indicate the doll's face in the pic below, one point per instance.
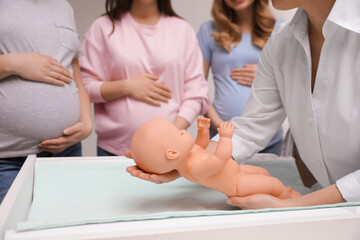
[(159, 147)]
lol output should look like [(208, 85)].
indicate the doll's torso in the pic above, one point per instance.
[(225, 180)]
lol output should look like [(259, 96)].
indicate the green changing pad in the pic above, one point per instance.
[(68, 193)]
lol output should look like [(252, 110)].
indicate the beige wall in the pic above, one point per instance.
[(194, 11)]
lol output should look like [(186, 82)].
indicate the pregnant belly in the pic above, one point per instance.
[(120, 119), (231, 103), (37, 111)]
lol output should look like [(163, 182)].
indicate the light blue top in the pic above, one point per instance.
[(230, 97)]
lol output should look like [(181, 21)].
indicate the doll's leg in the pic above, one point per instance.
[(261, 184), (203, 133), (250, 169)]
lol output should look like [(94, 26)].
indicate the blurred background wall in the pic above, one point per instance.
[(194, 11)]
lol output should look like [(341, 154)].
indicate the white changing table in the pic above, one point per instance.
[(328, 223)]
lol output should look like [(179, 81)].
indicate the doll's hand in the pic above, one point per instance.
[(203, 123), (244, 76), (38, 67), (145, 88), (72, 135), (258, 201), (155, 178), (226, 129)]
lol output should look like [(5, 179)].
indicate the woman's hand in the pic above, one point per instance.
[(145, 88), (327, 195), (181, 123), (155, 178), (41, 68), (215, 119), (72, 135), (244, 76), (259, 201), (135, 171)]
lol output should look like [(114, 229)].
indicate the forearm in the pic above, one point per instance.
[(328, 195), (181, 123), (85, 105), (215, 119), (7, 65), (114, 89), (224, 148)]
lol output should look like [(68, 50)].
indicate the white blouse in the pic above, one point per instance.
[(325, 124)]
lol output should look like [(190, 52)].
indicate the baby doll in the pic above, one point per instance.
[(159, 147)]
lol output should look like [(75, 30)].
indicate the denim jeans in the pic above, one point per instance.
[(10, 167), (274, 148), (103, 153)]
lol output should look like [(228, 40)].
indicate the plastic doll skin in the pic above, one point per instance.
[(159, 147)]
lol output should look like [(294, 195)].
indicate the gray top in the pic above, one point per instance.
[(32, 111)]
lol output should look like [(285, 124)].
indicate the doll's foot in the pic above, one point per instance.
[(294, 194), (203, 123)]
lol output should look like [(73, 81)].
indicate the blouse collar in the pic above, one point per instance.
[(345, 14)]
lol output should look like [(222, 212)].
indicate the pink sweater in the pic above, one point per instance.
[(168, 49)]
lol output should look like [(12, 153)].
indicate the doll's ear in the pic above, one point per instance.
[(172, 154), (128, 154)]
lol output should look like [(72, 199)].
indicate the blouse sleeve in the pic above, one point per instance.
[(71, 18), (94, 63), (195, 99), (349, 186)]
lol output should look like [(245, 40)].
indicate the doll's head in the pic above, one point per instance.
[(159, 147)]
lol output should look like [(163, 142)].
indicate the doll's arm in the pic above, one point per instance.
[(214, 162), (224, 146), (202, 138)]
